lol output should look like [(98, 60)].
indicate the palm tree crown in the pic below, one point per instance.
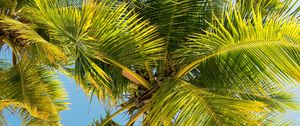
[(168, 62)]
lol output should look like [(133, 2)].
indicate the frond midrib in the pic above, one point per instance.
[(234, 47)]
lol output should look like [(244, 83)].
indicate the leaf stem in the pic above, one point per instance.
[(136, 76)]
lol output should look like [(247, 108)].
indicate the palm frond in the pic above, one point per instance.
[(108, 123), (240, 52), (29, 42), (178, 18), (99, 33), (33, 92), (257, 48), (181, 103)]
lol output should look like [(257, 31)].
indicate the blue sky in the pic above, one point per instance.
[(82, 111)]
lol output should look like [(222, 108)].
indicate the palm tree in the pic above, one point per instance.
[(168, 62)]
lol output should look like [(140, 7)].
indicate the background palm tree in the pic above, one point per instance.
[(169, 62)]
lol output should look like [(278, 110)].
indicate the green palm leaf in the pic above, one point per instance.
[(27, 41), (262, 43), (99, 33), (178, 18), (181, 103), (34, 94)]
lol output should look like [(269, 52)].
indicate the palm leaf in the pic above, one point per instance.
[(107, 123), (252, 58), (99, 33), (250, 66), (29, 42), (178, 18), (181, 103), (258, 44), (33, 92)]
